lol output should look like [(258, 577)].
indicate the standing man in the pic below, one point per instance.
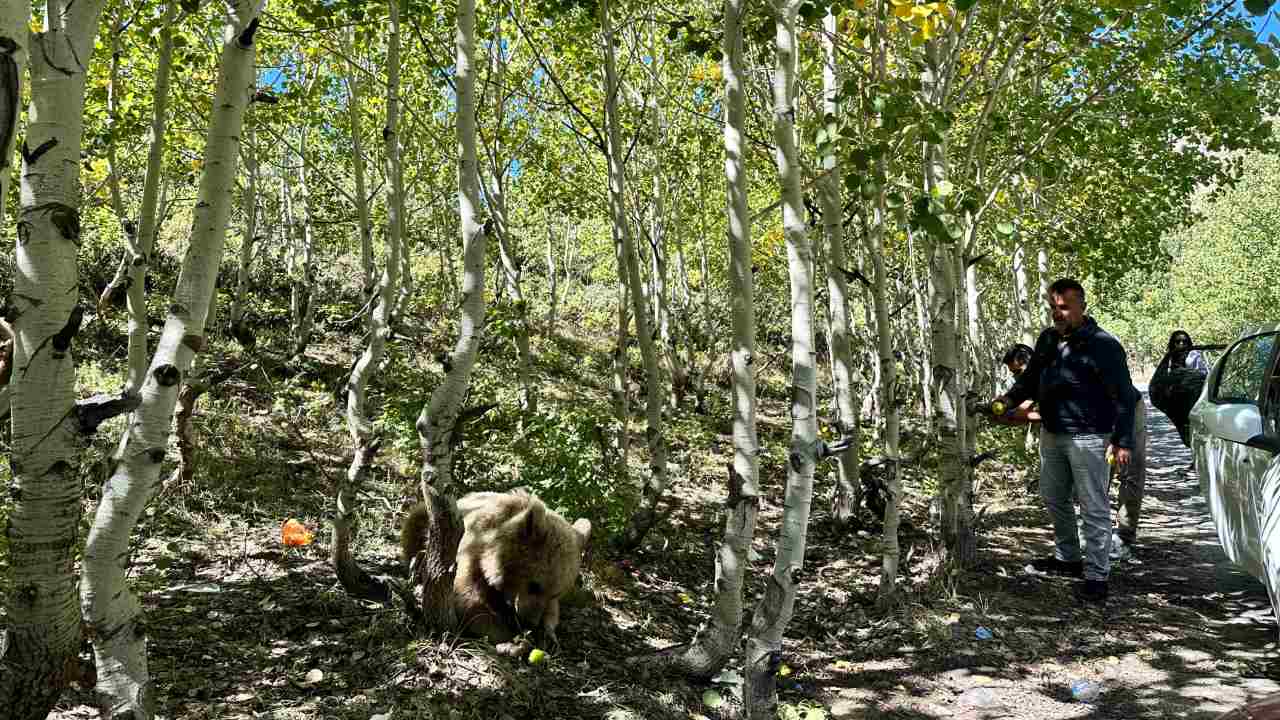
[(1079, 376)]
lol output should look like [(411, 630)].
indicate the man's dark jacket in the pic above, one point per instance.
[(1082, 386)]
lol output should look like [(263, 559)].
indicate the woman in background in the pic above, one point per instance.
[(1182, 356)]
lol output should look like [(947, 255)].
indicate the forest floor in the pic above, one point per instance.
[(241, 627)]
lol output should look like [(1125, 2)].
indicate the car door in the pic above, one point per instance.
[(1228, 440)]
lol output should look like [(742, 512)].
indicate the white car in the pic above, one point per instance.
[(1235, 436)]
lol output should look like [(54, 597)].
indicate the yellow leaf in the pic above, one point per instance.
[(922, 11), (928, 29), (35, 26), (903, 11), (860, 4), (784, 670)]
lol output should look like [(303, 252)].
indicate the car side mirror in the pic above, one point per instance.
[(1270, 443)]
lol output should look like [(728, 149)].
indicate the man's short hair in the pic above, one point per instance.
[(1018, 353), (1062, 285)]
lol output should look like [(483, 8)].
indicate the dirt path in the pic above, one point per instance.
[(1184, 634)]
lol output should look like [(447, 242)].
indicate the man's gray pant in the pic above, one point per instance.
[(1078, 462), (1133, 479)]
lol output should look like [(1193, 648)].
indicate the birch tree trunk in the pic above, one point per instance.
[(553, 279), (114, 614), (142, 239), (354, 105), (679, 374), (981, 373), (39, 649), (14, 37), (919, 292), (497, 197), (249, 240), (302, 303), (848, 495), (773, 612), (354, 579), (438, 420), (1022, 296), (714, 643), (1042, 271), (946, 272), (619, 389), (888, 390), (655, 481)]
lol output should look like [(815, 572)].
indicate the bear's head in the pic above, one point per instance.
[(535, 559)]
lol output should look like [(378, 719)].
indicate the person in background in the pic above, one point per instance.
[(1016, 359), (1079, 376), (1182, 356)]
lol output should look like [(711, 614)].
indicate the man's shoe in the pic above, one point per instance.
[(1093, 591), (1058, 567)]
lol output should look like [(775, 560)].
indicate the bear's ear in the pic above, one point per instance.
[(528, 524), (582, 527)]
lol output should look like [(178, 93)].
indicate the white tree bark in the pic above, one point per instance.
[(888, 388), (946, 306), (249, 238), (354, 104), (302, 303), (655, 482), (43, 637), (714, 644), (353, 578), (438, 420), (553, 279), (1042, 271), (113, 613), (981, 372), (497, 198), (678, 372), (14, 40), (1022, 296), (148, 217), (920, 293), (847, 494), (773, 612)]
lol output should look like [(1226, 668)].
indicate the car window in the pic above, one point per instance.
[(1244, 370), (1272, 419)]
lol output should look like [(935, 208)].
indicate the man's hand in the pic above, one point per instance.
[(1121, 455)]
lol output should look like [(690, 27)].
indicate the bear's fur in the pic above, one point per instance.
[(514, 558)]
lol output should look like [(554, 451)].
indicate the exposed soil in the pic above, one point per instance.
[(240, 628)]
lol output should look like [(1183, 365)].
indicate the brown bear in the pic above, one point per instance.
[(514, 558)]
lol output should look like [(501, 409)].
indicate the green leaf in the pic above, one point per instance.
[(931, 135), (894, 200), (943, 189), (1005, 228), (965, 5), (1257, 7)]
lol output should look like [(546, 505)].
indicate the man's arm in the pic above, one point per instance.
[(1027, 385), (1118, 385)]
